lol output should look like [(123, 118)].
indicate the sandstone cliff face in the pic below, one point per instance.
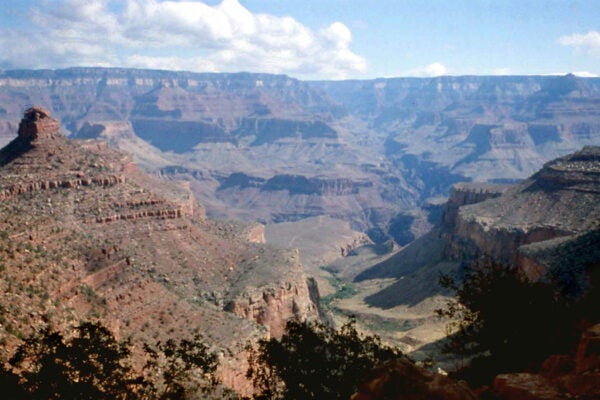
[(527, 220), (463, 194), (274, 306), (37, 125)]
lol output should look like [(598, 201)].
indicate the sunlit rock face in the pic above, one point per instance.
[(270, 148), (86, 235)]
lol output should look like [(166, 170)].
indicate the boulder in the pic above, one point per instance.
[(525, 386), (402, 379), (588, 351)]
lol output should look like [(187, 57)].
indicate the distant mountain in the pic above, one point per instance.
[(85, 235), (270, 148)]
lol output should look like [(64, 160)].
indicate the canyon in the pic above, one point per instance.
[(546, 228), (86, 235), (270, 148), (164, 202)]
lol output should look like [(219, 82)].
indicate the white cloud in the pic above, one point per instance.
[(588, 42), (171, 63), (434, 69), (585, 74), (338, 34), (184, 35)]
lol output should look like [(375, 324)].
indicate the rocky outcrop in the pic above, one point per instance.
[(475, 238), (256, 233), (561, 376), (579, 171), (348, 248), (521, 223), (37, 124), (463, 194), (156, 213), (274, 306), (402, 379), (28, 187)]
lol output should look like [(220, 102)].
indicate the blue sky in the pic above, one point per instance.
[(307, 39)]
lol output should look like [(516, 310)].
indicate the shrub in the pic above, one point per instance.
[(507, 323), (314, 361)]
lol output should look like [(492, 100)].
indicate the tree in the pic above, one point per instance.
[(505, 322), (9, 382), (90, 365), (314, 361), (94, 365), (185, 367)]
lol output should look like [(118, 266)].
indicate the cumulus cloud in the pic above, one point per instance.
[(183, 35), (588, 42), (434, 69)]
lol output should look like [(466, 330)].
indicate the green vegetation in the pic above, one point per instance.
[(94, 365), (184, 367), (343, 290), (510, 324), (314, 361)]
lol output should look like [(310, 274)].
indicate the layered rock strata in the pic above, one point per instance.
[(365, 152), (86, 235), (527, 225)]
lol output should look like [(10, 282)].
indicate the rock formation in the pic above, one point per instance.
[(87, 235), (526, 221), (401, 379), (360, 151), (549, 222), (37, 124)]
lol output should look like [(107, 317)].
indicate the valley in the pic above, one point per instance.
[(269, 148), (167, 203)]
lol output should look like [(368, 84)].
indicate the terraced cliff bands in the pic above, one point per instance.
[(546, 227), (560, 200), (270, 148), (86, 235)]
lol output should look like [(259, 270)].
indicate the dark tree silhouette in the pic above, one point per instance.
[(508, 323), (185, 367), (90, 365), (314, 361), (10, 385)]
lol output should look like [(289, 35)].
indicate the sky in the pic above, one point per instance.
[(306, 39)]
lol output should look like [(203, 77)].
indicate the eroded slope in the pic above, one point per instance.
[(86, 235)]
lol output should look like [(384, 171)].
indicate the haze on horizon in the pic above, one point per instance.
[(312, 39)]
